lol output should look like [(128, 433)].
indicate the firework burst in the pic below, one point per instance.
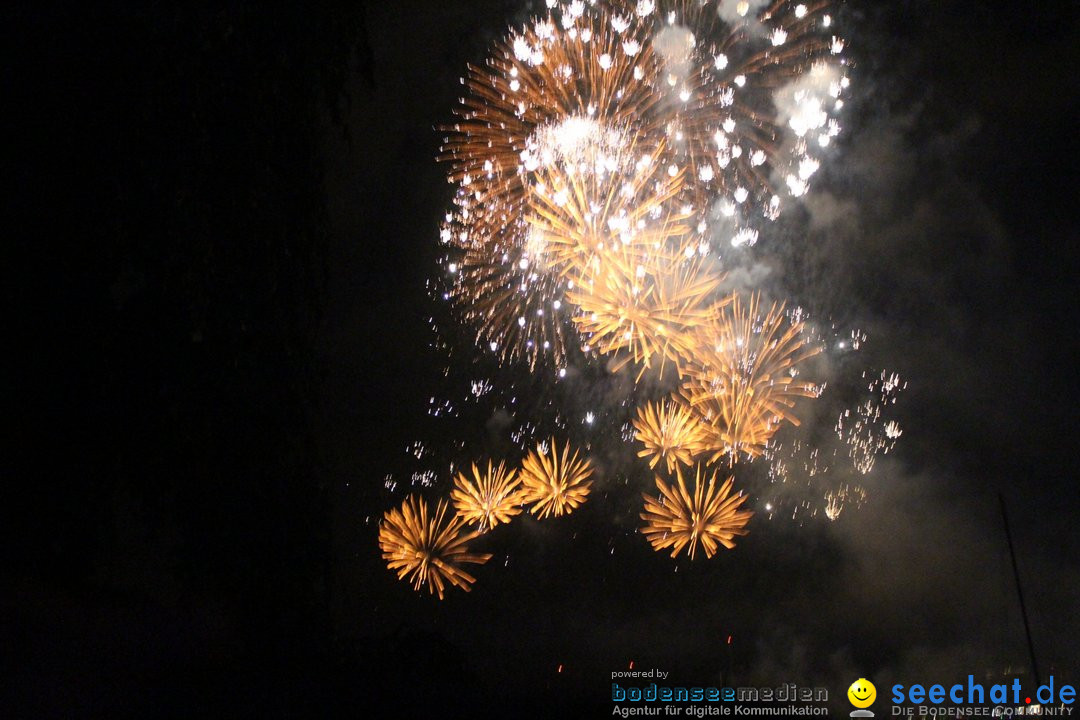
[(645, 310), (751, 92), (428, 548), (582, 124), (514, 113), (491, 497), (555, 484), (577, 214), (498, 284), (550, 109), (709, 516), (670, 431), (744, 381)]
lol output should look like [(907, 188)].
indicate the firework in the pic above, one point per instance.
[(548, 104), (743, 382), (428, 548), (497, 283), (512, 285), (646, 310), (751, 90), (556, 484), (491, 497), (671, 432), (515, 112), (864, 430), (835, 500), (710, 516), (578, 213), (583, 125)]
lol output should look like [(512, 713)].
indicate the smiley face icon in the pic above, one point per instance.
[(862, 693)]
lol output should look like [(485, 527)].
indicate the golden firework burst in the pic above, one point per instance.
[(539, 78), (584, 122), (556, 484), (578, 212), (491, 497), (670, 431), (709, 516), (743, 382), (547, 104), (645, 311), (428, 548)]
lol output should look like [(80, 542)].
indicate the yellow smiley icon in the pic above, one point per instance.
[(862, 693)]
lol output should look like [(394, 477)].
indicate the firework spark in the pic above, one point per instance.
[(710, 516), (744, 381), (750, 96), (671, 432), (556, 484), (491, 497), (864, 430), (498, 285), (836, 500), (428, 548)]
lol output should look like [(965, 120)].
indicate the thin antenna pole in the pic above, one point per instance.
[(1019, 591)]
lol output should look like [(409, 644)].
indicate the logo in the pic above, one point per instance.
[(862, 694), (972, 698)]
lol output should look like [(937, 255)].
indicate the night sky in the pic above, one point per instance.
[(226, 224)]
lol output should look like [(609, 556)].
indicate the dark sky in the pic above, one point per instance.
[(225, 221)]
